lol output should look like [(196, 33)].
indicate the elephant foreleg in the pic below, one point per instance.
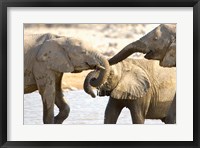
[(112, 111), (48, 99), (48, 114), (46, 87), (137, 114), (137, 118)]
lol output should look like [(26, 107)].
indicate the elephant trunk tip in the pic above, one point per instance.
[(90, 92), (86, 86), (93, 95)]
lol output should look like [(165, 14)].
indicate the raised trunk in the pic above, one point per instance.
[(137, 46)]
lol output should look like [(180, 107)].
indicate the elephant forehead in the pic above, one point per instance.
[(115, 72), (158, 32), (170, 27), (113, 78), (161, 32), (115, 69), (127, 65), (79, 45), (74, 42)]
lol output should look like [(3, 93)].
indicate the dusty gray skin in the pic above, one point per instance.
[(143, 86), (46, 58), (159, 44), (171, 115)]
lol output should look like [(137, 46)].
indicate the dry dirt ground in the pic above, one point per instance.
[(108, 39)]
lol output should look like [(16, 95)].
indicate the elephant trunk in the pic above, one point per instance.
[(104, 71), (137, 46), (86, 86), (98, 77)]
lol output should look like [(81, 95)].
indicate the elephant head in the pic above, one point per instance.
[(118, 83), (159, 44), (72, 55)]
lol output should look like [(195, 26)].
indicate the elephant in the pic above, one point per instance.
[(46, 58), (158, 44), (141, 85)]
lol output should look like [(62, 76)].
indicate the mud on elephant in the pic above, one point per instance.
[(143, 86), (46, 58)]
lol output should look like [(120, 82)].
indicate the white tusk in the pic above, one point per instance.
[(100, 67)]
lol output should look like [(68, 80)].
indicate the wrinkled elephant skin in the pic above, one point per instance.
[(46, 58), (158, 44), (141, 85)]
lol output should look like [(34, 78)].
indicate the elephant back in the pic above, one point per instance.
[(32, 43)]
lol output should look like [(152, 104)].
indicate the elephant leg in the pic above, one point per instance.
[(112, 111), (48, 114), (137, 117), (171, 116), (46, 87), (137, 113), (60, 102), (48, 99)]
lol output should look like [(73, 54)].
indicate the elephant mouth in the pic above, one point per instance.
[(165, 64), (86, 66), (77, 71), (91, 66), (152, 55), (149, 55), (103, 93)]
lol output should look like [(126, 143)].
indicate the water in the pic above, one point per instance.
[(84, 109)]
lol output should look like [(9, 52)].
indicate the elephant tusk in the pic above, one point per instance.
[(98, 67)]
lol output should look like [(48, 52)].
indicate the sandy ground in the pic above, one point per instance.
[(108, 39)]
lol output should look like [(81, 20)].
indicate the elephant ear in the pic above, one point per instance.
[(54, 55), (133, 84), (169, 60)]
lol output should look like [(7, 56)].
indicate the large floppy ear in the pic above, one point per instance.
[(52, 52), (133, 84), (169, 60)]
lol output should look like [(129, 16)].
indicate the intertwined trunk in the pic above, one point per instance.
[(97, 77)]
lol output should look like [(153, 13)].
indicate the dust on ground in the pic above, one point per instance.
[(108, 39)]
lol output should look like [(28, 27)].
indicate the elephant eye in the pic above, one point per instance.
[(83, 52), (155, 38)]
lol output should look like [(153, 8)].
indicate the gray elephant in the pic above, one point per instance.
[(143, 86), (46, 58), (159, 44)]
